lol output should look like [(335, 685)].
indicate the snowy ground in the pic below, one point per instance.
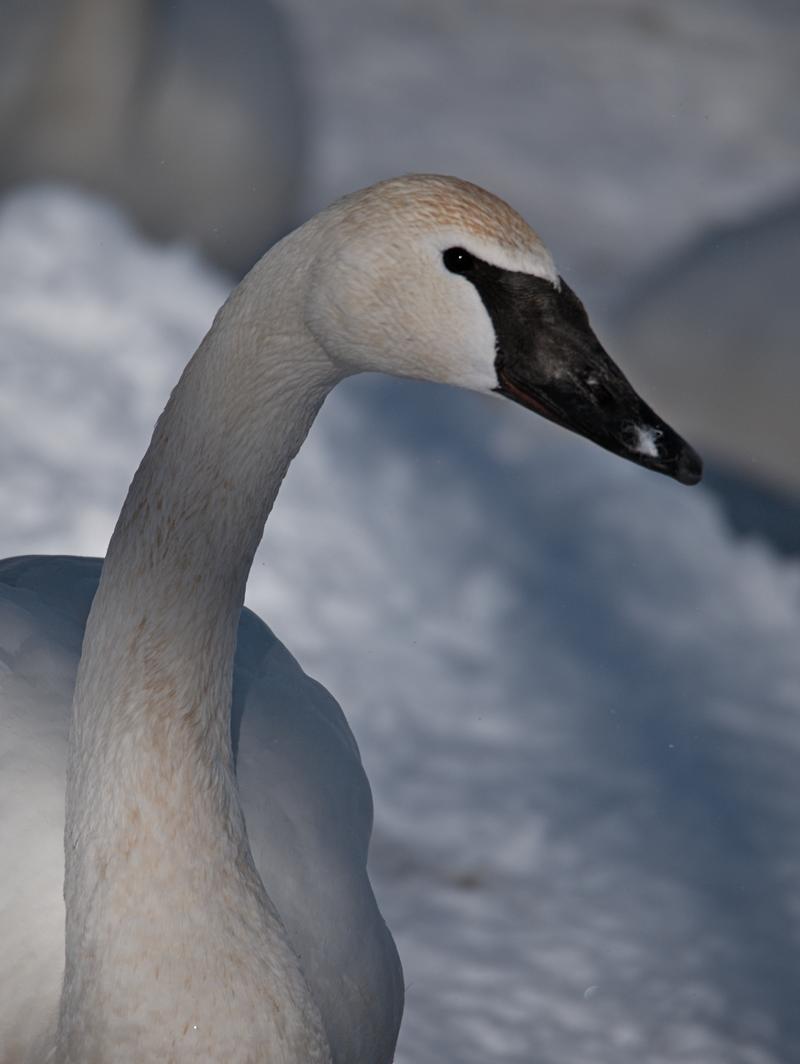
[(576, 695), (575, 692)]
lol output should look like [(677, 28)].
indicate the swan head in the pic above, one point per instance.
[(433, 277)]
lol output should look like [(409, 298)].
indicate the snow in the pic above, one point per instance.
[(575, 692)]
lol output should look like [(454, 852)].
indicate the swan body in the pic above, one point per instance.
[(302, 788), (216, 816), (107, 96)]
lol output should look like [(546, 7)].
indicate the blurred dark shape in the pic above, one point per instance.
[(713, 334), (754, 508), (187, 112)]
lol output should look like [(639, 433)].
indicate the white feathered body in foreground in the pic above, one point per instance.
[(216, 897), (303, 791)]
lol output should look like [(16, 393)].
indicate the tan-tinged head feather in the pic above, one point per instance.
[(421, 203)]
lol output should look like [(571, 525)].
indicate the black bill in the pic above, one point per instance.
[(550, 361), (598, 402)]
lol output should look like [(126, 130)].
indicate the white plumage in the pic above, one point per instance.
[(305, 797)]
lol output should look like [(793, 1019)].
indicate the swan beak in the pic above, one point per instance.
[(612, 415), (557, 367)]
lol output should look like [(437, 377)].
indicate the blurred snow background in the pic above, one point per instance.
[(575, 687)]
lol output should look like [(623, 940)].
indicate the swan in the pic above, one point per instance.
[(214, 810), (106, 96)]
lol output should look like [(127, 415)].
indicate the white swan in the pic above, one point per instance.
[(187, 936), (106, 96)]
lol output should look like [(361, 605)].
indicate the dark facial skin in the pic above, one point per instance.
[(550, 361)]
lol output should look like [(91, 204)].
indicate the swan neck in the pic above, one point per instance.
[(159, 873)]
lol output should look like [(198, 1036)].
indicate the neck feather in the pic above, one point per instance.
[(161, 890)]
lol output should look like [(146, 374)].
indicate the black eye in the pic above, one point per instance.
[(458, 261)]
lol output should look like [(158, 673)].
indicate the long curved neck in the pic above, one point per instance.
[(160, 888)]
